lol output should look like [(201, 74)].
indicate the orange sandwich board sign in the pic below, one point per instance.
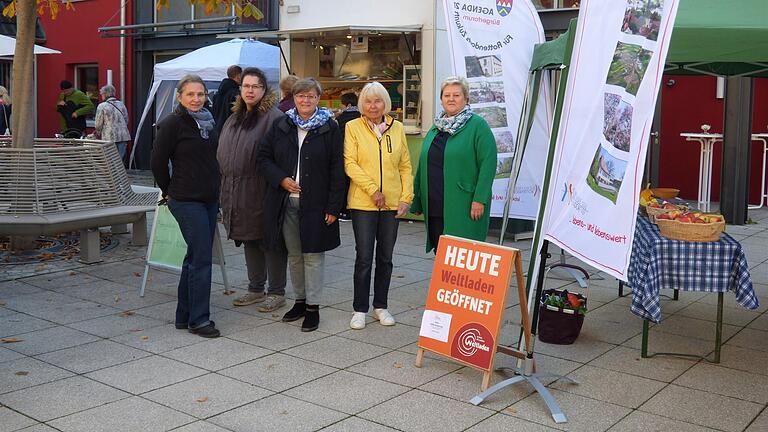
[(466, 302)]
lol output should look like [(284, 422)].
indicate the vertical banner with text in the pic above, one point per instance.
[(466, 300), (615, 72), (492, 44)]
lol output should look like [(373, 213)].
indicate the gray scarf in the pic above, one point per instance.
[(204, 120)]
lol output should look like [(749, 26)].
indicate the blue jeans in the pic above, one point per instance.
[(379, 229), (197, 221)]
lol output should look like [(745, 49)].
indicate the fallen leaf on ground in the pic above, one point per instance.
[(117, 298), (135, 330), (137, 274), (202, 399), (71, 273), (21, 373), (39, 268), (397, 365), (399, 276), (228, 292), (2, 303), (145, 338), (11, 340), (511, 410), (127, 313), (275, 315)]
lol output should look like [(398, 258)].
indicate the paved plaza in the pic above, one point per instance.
[(83, 352)]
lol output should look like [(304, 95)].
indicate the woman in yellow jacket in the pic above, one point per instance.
[(378, 164)]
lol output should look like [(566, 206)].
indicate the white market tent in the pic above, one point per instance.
[(210, 63), (8, 47)]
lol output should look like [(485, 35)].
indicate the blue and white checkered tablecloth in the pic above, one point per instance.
[(658, 262)]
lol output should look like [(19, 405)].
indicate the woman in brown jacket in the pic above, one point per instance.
[(243, 188)]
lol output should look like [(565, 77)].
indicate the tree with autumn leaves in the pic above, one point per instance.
[(26, 11)]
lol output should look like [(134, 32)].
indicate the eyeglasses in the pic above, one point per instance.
[(252, 87), (305, 97)]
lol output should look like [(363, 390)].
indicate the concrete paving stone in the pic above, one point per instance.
[(334, 295), (40, 427), (580, 411), (411, 317), (63, 280), (402, 276), (744, 359), (159, 339), (27, 372), (60, 398), (639, 421), (333, 321), (628, 360), (760, 423), (583, 350), (277, 413), (352, 393), (415, 293), (667, 342), (425, 265), (609, 386), (130, 299), (117, 324), (609, 331), (217, 354), (278, 336), (8, 355), (20, 323), (727, 382), (126, 415), (760, 323), (336, 351), (409, 412), (374, 333), (702, 408), (145, 374), (278, 372), (692, 327), (704, 311), (232, 321), (59, 308), (506, 423), (15, 288), (92, 356), (729, 300), (121, 272), (200, 426), (50, 339), (163, 311), (398, 367), (207, 395), (750, 338), (616, 313), (356, 424), (13, 421)]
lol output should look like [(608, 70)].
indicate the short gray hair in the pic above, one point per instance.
[(373, 90), (306, 84), (107, 90), (456, 80)]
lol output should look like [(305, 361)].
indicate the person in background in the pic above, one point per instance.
[(5, 107), (112, 120), (378, 163), (187, 139), (74, 106), (350, 112), (302, 159), (243, 188), (229, 89), (286, 88), (457, 165)]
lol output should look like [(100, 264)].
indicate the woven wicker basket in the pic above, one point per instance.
[(652, 212), (694, 232)]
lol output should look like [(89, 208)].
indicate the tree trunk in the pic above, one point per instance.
[(23, 116)]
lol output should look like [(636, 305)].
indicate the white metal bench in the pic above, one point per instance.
[(70, 185)]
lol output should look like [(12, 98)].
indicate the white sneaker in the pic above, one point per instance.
[(358, 321), (384, 317)]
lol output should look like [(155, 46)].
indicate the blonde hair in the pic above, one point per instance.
[(5, 96), (456, 80), (374, 90), (286, 84)]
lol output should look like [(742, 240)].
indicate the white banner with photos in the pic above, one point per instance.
[(492, 45), (615, 73)]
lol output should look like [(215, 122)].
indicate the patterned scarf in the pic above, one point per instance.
[(204, 120), (452, 124), (379, 128), (319, 118)]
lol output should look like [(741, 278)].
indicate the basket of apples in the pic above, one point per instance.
[(691, 226), (657, 207)]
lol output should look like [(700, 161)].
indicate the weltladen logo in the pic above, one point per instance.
[(473, 344), (504, 7)]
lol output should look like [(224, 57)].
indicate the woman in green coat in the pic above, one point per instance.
[(457, 165)]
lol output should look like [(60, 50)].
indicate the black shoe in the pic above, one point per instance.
[(209, 331), (311, 318), (297, 311)]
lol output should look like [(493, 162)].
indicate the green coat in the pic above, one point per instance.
[(469, 167)]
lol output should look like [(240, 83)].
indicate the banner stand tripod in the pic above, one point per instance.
[(526, 371)]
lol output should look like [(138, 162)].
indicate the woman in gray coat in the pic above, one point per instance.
[(243, 188)]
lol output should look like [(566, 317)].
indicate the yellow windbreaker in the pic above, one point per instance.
[(377, 164)]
